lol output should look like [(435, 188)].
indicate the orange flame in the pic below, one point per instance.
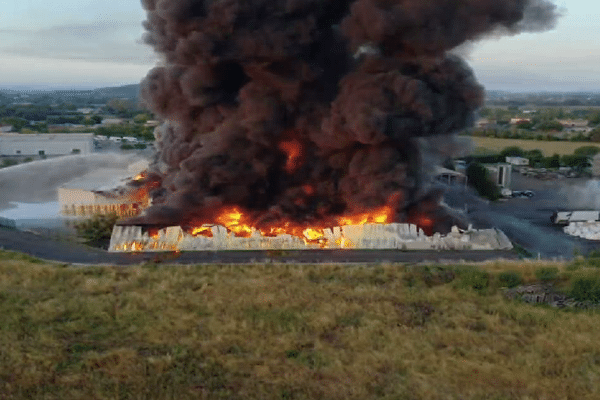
[(234, 220), (202, 231), (293, 149), (381, 215), (240, 223)]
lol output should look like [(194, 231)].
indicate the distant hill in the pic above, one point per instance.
[(78, 97)]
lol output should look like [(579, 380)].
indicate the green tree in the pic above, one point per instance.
[(550, 126), (478, 178), (141, 118), (16, 122), (535, 157), (97, 228), (587, 151), (575, 161), (594, 119), (552, 161), (512, 151)]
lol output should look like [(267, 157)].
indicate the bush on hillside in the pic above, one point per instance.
[(546, 274), (586, 289), (97, 228), (510, 279)]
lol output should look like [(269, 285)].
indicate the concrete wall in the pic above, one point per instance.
[(368, 236), (47, 144)]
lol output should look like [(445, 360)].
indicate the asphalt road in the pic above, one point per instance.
[(72, 253), (526, 221)]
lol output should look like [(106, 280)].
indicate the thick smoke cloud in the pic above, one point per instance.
[(305, 110)]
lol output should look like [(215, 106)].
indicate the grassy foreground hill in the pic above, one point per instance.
[(293, 332)]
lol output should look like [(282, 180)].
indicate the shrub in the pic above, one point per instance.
[(510, 279), (97, 228), (546, 274), (587, 151), (8, 163), (474, 278), (127, 147), (512, 151), (586, 289)]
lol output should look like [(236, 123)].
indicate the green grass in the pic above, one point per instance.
[(386, 331)]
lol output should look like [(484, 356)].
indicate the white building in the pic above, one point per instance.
[(48, 144), (500, 174), (519, 161), (449, 177)]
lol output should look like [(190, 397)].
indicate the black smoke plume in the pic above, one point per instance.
[(305, 110)]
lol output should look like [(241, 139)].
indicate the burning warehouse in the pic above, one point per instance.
[(273, 109), (95, 192)]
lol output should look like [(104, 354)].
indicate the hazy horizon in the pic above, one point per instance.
[(74, 44), (82, 87)]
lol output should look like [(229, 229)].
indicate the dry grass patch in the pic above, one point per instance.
[(288, 332), (548, 148)]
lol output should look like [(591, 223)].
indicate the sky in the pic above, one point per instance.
[(87, 44)]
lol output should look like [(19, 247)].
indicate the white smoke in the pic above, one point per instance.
[(583, 196)]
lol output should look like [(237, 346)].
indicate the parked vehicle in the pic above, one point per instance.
[(566, 217), (522, 193)]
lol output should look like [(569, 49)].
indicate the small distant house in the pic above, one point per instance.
[(151, 123), (113, 121), (575, 125), (485, 123), (518, 121), (6, 128), (517, 161)]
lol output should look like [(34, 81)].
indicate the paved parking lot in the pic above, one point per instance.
[(526, 221)]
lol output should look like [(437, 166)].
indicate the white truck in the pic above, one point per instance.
[(566, 217)]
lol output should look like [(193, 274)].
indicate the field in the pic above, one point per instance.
[(548, 148), (290, 332)]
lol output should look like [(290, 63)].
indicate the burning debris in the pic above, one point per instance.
[(364, 236), (283, 117), (88, 195)]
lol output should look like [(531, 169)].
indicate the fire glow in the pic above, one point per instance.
[(238, 222)]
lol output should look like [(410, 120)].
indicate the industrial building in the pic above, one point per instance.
[(45, 144), (104, 191), (450, 177)]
